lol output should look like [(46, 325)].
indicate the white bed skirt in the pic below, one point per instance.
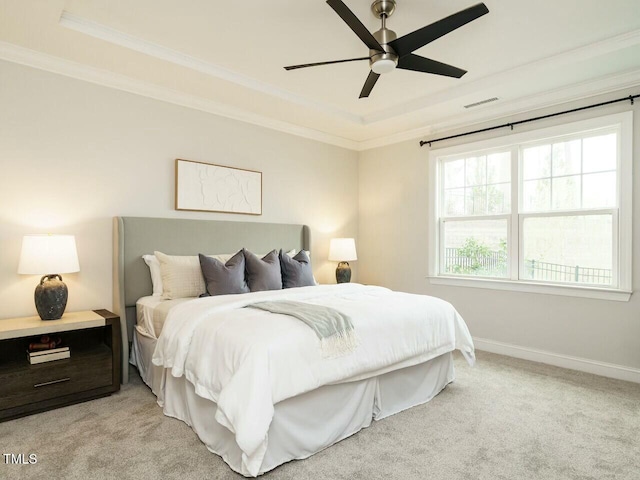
[(302, 425)]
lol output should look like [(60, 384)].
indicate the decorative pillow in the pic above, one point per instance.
[(296, 271), (263, 274), (181, 276), (292, 253), (192, 260), (156, 278), (224, 278)]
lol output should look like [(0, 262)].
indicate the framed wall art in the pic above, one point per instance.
[(206, 187)]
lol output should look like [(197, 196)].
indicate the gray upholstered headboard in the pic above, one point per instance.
[(137, 236)]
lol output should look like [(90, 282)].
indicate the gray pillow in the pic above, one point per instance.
[(263, 274), (296, 271), (224, 278)]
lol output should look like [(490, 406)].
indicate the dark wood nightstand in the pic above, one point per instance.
[(92, 370)]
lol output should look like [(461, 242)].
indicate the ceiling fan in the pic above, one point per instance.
[(386, 51)]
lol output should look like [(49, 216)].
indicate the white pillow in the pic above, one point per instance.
[(181, 276), (223, 257), (156, 273), (156, 278)]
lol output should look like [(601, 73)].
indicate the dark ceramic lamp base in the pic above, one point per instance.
[(51, 297), (343, 273)]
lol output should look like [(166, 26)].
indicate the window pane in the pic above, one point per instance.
[(536, 196), (476, 201), (454, 174), (476, 171), (566, 193), (536, 162), (572, 249), (599, 190), (454, 201), (499, 198), (566, 158), (599, 153), (476, 248), (499, 168)]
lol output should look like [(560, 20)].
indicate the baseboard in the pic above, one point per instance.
[(610, 370)]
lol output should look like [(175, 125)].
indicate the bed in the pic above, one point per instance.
[(283, 400)]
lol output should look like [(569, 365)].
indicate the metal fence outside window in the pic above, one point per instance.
[(454, 262), (537, 270), (534, 269)]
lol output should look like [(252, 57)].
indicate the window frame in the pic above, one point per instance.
[(621, 288)]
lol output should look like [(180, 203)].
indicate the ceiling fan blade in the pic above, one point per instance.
[(369, 84), (355, 24), (414, 40), (421, 64), (294, 67)]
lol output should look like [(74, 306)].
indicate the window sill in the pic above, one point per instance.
[(565, 290)]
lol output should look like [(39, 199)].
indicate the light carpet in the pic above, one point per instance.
[(504, 419)]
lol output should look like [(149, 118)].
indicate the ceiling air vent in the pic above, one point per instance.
[(481, 102)]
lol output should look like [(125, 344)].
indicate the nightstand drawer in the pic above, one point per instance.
[(92, 371), (34, 383)]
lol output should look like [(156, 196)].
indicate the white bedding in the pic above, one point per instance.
[(152, 312), (247, 360)]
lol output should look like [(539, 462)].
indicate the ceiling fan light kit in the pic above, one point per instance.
[(386, 61), (388, 52)]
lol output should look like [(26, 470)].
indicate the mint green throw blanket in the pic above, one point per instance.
[(333, 328)]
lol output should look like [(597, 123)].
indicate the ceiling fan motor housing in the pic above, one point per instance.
[(383, 62)]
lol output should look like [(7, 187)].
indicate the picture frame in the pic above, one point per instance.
[(208, 187)]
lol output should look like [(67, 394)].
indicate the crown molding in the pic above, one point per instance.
[(42, 61), (578, 54), (17, 54), (495, 111), (559, 60), (116, 37)]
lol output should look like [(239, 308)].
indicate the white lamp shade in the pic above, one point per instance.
[(48, 254), (342, 250)]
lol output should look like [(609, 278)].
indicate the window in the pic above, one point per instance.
[(548, 210)]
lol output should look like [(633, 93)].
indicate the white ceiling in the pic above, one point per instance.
[(227, 58)]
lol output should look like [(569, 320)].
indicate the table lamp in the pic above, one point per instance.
[(342, 250), (49, 255)]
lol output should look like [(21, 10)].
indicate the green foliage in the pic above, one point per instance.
[(477, 259), (474, 250)]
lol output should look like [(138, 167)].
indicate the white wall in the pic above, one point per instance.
[(393, 251), (73, 155)]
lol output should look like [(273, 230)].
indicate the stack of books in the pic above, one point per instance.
[(47, 350), (48, 355)]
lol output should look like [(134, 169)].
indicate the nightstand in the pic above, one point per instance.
[(92, 370)]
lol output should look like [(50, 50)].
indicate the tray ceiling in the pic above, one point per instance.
[(229, 60)]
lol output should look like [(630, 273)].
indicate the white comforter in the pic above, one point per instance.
[(246, 360)]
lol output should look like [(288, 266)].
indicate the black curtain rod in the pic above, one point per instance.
[(630, 98)]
